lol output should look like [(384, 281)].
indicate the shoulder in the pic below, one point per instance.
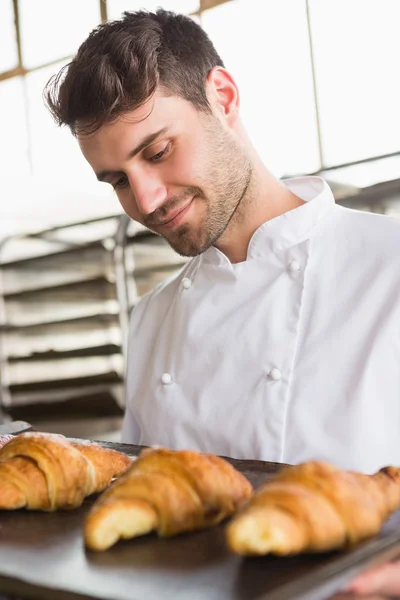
[(365, 231)]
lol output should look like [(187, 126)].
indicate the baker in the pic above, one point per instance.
[(280, 339)]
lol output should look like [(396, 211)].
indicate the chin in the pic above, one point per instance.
[(186, 252), (187, 243), (188, 248)]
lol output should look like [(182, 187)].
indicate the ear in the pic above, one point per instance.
[(223, 95)]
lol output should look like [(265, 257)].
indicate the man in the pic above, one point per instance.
[(280, 339)]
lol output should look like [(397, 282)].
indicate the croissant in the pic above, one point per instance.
[(167, 491), (44, 471), (314, 507), (4, 439)]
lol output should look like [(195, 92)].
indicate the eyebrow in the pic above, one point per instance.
[(149, 139)]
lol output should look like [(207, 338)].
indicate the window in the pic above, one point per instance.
[(53, 30), (9, 50), (14, 141), (115, 8), (356, 48), (54, 150), (266, 48), (317, 78)]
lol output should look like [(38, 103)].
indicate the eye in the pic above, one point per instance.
[(159, 155), (121, 183)]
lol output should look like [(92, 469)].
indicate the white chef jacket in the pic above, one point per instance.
[(291, 355)]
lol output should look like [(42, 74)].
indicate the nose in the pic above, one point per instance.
[(148, 190)]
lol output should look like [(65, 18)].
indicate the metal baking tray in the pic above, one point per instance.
[(43, 556)]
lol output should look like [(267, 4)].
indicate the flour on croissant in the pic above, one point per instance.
[(314, 507), (44, 471), (169, 492)]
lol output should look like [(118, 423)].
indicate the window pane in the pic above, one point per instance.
[(116, 7), (51, 30), (68, 187), (271, 64), (53, 149), (14, 162), (8, 54), (14, 135), (356, 46)]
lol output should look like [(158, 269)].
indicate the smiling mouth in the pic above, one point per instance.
[(173, 220)]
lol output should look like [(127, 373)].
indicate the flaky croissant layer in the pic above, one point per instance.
[(167, 491), (314, 507), (44, 471)]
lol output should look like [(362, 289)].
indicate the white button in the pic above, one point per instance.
[(186, 283), (275, 374), (294, 266), (166, 378)]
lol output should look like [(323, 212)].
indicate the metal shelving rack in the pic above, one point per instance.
[(65, 298)]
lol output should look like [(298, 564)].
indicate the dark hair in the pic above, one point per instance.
[(121, 63)]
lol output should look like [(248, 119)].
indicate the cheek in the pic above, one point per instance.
[(185, 167), (128, 203)]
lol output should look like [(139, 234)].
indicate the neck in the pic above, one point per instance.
[(265, 199)]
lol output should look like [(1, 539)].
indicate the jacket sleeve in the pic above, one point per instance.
[(130, 427)]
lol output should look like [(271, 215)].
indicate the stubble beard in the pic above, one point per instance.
[(228, 173)]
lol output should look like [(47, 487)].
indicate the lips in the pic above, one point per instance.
[(174, 216)]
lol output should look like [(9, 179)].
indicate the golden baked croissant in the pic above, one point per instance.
[(314, 507), (44, 471), (167, 491), (4, 439)]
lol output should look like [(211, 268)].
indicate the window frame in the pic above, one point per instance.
[(21, 70)]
